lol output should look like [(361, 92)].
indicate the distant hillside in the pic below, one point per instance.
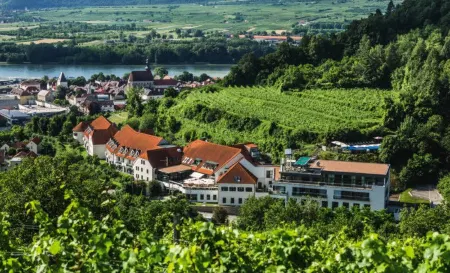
[(22, 4)]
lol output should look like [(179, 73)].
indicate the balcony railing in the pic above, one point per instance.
[(349, 197), (318, 195), (321, 183)]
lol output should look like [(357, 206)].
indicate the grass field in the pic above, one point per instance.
[(44, 41), (316, 111), (118, 117), (213, 17)]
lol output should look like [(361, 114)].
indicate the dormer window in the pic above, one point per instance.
[(197, 161), (237, 179)]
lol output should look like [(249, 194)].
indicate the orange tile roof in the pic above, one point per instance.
[(207, 151), (237, 171), (164, 157), (81, 127), (351, 167), (36, 140), (100, 130)]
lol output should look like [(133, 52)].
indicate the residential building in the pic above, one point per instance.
[(62, 81), (97, 134), (95, 103), (36, 84), (15, 117), (45, 96), (34, 145), (236, 185), (24, 96), (334, 183), (9, 102), (19, 157), (140, 154), (78, 131)]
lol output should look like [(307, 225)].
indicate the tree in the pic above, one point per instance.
[(170, 92), (154, 188), (134, 102), (220, 216), (61, 93), (161, 72)]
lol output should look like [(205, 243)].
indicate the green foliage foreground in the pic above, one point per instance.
[(77, 242)]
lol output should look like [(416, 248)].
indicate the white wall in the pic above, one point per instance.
[(377, 195), (33, 147), (203, 193), (78, 136), (230, 163), (143, 170), (260, 172), (237, 195)]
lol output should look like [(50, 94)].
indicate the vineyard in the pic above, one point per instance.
[(315, 111)]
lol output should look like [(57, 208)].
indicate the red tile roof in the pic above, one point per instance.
[(140, 76), (100, 130), (36, 140), (133, 140), (165, 82), (238, 174), (164, 157), (81, 127), (23, 154), (208, 153), (19, 145), (351, 167)]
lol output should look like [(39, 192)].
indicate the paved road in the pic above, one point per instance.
[(428, 193)]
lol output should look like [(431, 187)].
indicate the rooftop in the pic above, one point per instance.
[(140, 76), (350, 167), (238, 174), (207, 157)]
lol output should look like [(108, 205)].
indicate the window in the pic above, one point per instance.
[(324, 204), (345, 204), (214, 197), (335, 205), (224, 200), (268, 174), (202, 196), (232, 200), (137, 168), (224, 188), (356, 205), (142, 169), (240, 200), (147, 178), (232, 188), (137, 176), (367, 206), (147, 171), (248, 189), (208, 197), (241, 189)]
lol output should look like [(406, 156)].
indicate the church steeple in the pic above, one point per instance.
[(148, 65)]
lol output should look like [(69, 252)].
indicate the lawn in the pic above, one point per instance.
[(407, 198), (118, 117)]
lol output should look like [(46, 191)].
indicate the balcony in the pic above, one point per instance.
[(323, 184), (349, 197), (315, 195)]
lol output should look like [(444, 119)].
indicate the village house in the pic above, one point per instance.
[(34, 145), (24, 96), (34, 84), (45, 96), (78, 131), (19, 157), (97, 134), (236, 185), (140, 154)]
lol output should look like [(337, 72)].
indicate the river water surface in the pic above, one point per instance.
[(9, 71)]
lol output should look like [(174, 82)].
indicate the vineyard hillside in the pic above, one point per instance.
[(264, 115)]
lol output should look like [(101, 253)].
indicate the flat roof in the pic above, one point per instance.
[(350, 167), (302, 161), (176, 169)]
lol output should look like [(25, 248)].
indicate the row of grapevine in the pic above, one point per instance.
[(77, 242)]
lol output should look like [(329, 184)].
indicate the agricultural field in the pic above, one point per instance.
[(315, 112), (229, 18)]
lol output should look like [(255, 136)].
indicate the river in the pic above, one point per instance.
[(26, 71)]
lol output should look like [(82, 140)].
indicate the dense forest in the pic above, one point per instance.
[(208, 50)]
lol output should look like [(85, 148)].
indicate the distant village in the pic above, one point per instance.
[(29, 98)]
